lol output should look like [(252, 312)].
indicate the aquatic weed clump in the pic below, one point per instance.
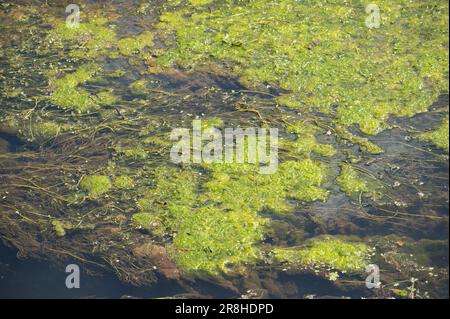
[(350, 182), (237, 186), (95, 185), (438, 137), (124, 182), (92, 38), (326, 253), (67, 93), (340, 67), (133, 45), (207, 241)]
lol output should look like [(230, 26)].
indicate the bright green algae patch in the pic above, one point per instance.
[(67, 93), (364, 143), (60, 227), (139, 87), (217, 222), (238, 187), (306, 142), (89, 40), (328, 253), (208, 240), (133, 45), (351, 183), (92, 40), (149, 222), (341, 67), (213, 241), (123, 182), (438, 137), (96, 185)]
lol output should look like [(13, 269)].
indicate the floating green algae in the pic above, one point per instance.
[(306, 141), (213, 241), (200, 2), (326, 253), (223, 234), (96, 185), (60, 227), (150, 222), (364, 143), (45, 130), (208, 240), (237, 186), (136, 152), (350, 182), (438, 137), (132, 45), (68, 94), (139, 87), (123, 182), (89, 40), (340, 64), (92, 40), (213, 122)]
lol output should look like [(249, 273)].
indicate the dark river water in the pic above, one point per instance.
[(38, 279)]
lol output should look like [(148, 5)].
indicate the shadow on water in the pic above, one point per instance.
[(37, 279)]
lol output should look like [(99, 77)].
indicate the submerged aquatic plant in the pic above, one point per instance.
[(238, 187), (95, 185), (60, 227), (326, 253), (91, 39), (208, 240), (124, 182), (132, 45), (339, 64), (67, 93), (353, 185), (438, 137)]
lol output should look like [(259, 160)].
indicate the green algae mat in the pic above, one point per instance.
[(356, 94)]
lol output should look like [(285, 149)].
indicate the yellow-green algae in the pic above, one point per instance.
[(89, 40), (150, 222), (216, 219), (211, 122), (93, 39), (133, 45), (95, 185), (60, 227), (438, 137), (364, 143), (207, 239), (139, 87), (136, 152), (211, 233), (340, 67), (306, 142), (123, 182), (200, 2), (237, 187), (326, 253), (351, 183), (43, 131), (68, 94)]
